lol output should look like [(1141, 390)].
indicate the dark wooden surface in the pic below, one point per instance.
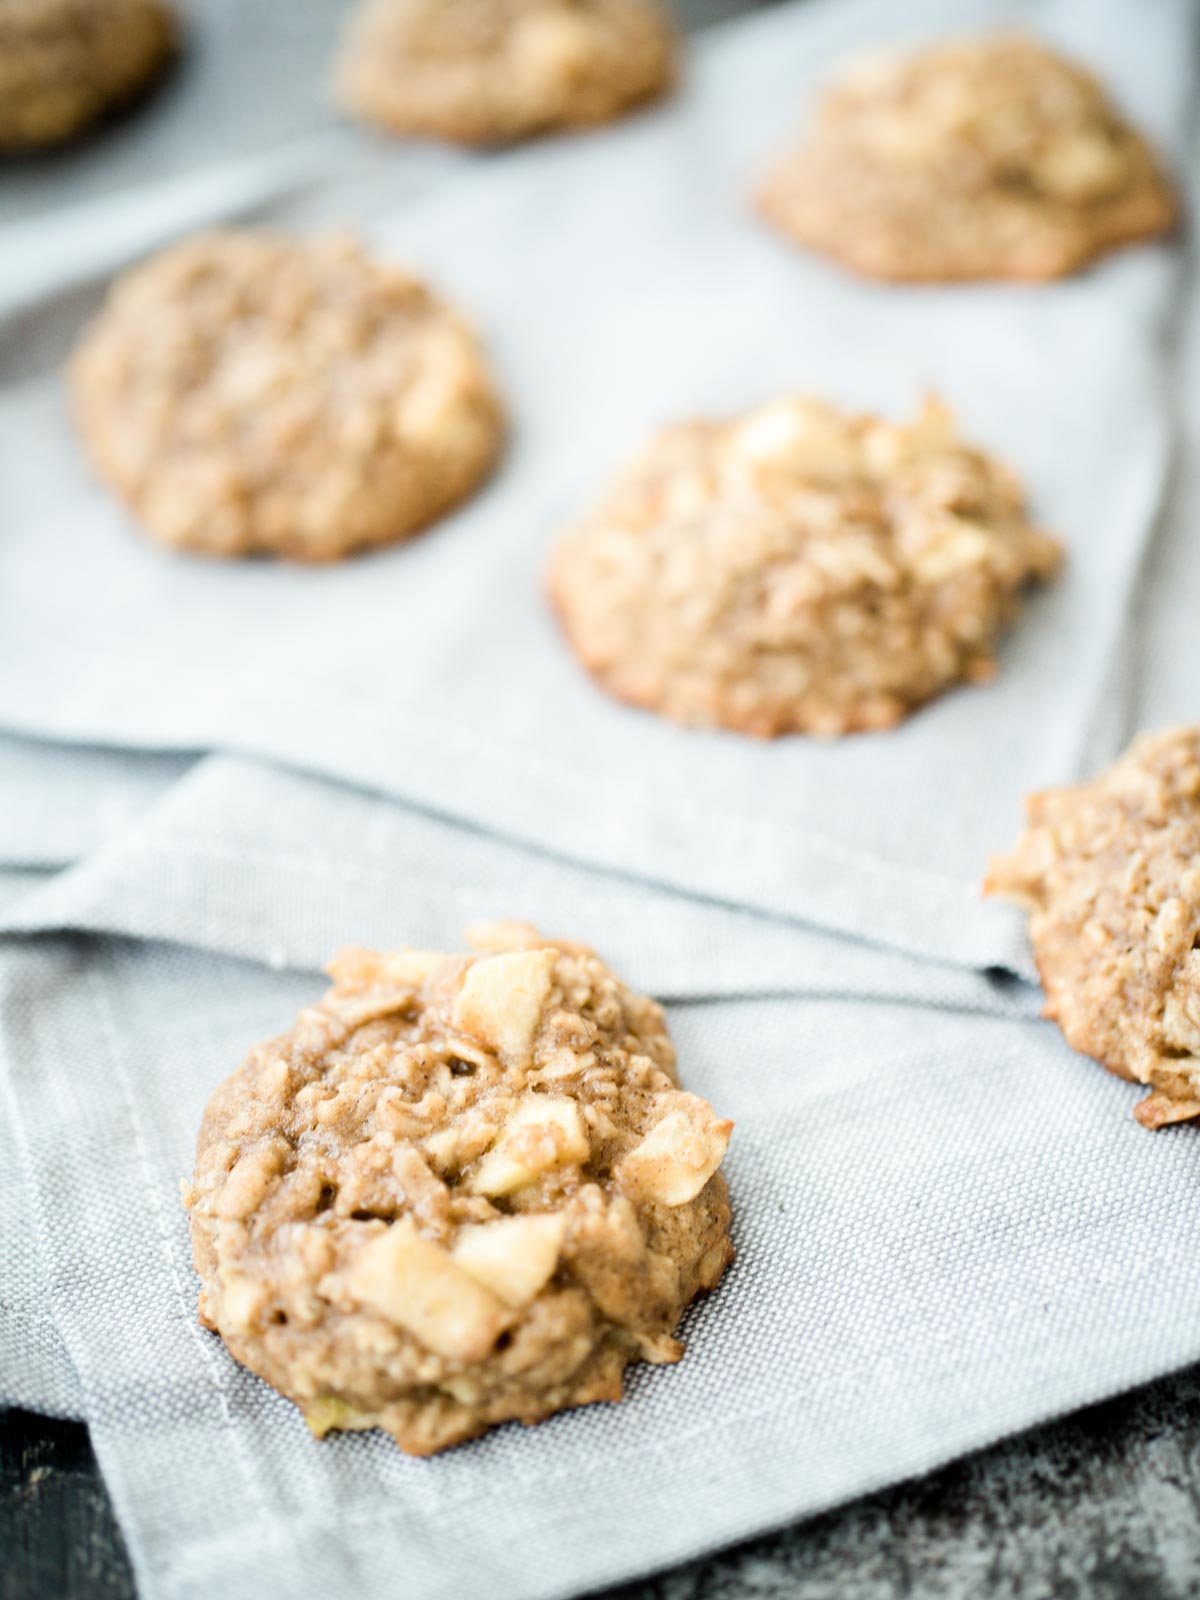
[(1105, 1504), (58, 1536)]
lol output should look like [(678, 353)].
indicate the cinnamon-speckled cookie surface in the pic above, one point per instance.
[(492, 71), (250, 393), (988, 158), (801, 569), (460, 1190), (64, 63), (1109, 872)]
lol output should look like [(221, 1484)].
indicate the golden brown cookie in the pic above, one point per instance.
[(64, 63), (1110, 874), (985, 158), (249, 393), (800, 570), (461, 1190), (492, 71)]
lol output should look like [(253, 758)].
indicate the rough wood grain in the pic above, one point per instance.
[(58, 1536), (1106, 1503)]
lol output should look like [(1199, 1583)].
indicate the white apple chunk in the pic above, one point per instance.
[(413, 1283), (678, 1156), (502, 1000), (514, 1257), (544, 1131)]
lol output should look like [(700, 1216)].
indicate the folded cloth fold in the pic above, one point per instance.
[(282, 869)]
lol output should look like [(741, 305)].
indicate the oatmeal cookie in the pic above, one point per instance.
[(64, 63), (800, 570), (249, 393), (493, 71), (1110, 874), (988, 158), (461, 1190)]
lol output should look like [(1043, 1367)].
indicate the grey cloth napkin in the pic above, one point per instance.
[(948, 1227), (35, 1370), (17, 882), (282, 869), (59, 803), (622, 282)]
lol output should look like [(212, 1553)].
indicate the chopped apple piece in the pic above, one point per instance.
[(241, 1301), (514, 1257), (544, 1131), (496, 936), (354, 968), (413, 1283), (326, 1413), (502, 999), (796, 434), (678, 1156)]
